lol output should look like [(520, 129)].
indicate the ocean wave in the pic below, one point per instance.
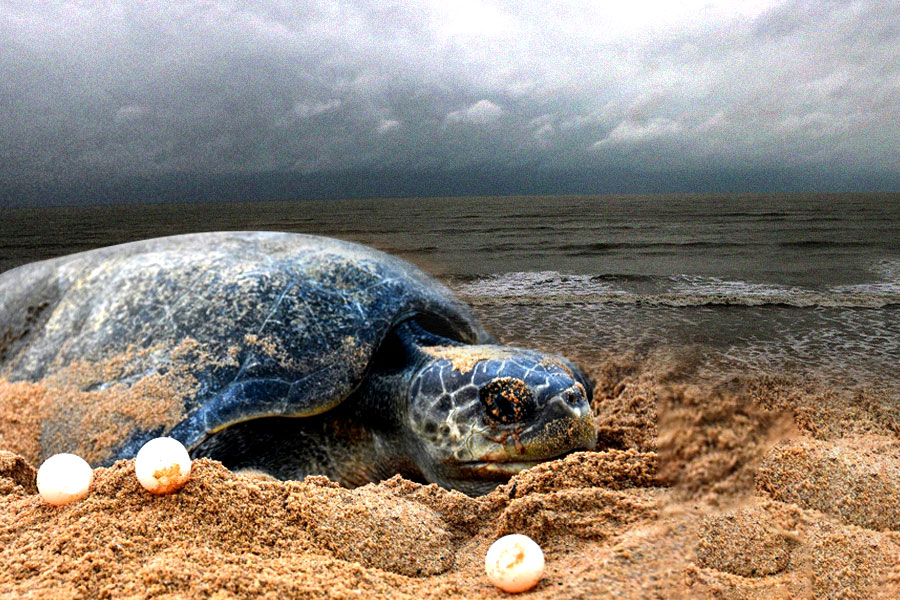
[(887, 269), (552, 287)]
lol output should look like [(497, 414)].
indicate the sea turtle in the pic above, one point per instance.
[(285, 353)]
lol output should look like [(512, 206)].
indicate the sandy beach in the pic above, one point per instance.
[(746, 487)]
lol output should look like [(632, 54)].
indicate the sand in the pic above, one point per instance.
[(730, 487)]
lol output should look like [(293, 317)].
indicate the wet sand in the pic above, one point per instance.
[(735, 487)]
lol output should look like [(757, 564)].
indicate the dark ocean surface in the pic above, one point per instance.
[(750, 283)]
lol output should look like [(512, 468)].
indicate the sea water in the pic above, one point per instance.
[(745, 283)]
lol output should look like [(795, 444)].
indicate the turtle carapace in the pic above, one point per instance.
[(285, 353)]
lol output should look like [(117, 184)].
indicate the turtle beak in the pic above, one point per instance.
[(554, 439)]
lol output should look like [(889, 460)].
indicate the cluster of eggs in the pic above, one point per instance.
[(514, 563), (162, 466)]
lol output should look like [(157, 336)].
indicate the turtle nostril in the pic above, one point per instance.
[(507, 400)]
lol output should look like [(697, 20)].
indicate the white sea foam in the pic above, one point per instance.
[(887, 269), (552, 287), (536, 284)]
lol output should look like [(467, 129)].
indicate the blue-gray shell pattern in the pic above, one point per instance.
[(260, 323)]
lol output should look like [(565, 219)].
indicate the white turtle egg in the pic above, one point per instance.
[(64, 478), (514, 563), (162, 465)]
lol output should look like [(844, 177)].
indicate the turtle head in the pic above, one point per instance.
[(480, 414)]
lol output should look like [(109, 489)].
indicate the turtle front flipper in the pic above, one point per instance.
[(251, 399)]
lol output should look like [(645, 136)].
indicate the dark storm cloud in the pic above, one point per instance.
[(117, 88)]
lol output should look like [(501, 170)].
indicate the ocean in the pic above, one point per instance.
[(737, 283)]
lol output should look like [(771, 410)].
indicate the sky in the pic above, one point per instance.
[(716, 88)]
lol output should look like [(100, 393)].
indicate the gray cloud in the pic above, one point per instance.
[(243, 86)]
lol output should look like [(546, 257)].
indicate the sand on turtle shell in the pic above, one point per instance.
[(38, 419), (696, 492)]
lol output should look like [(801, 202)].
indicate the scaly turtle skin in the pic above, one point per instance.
[(285, 353)]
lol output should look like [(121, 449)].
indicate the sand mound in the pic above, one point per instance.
[(776, 550), (122, 538), (400, 536), (855, 479), (823, 532), (752, 541), (16, 475)]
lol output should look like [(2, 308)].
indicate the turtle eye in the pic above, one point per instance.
[(507, 400), (575, 395)]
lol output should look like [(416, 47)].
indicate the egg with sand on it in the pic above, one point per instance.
[(162, 465), (514, 563), (64, 478)]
